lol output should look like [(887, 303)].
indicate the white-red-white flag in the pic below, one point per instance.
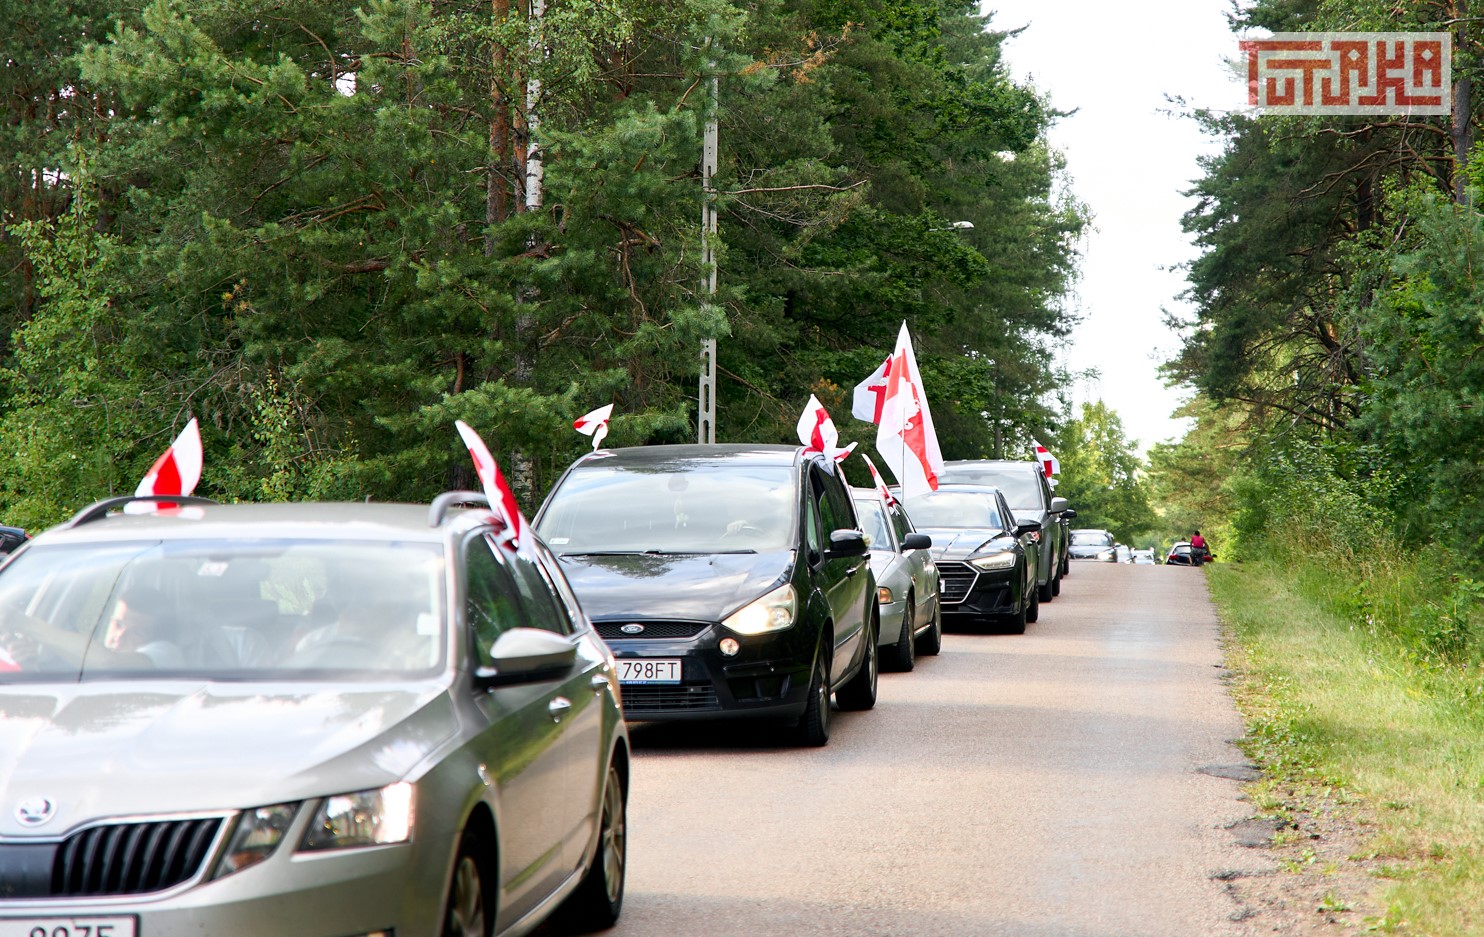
[(175, 472), (502, 499), (817, 431), (594, 424), (906, 438), (870, 395), (8, 664), (1049, 465), (881, 488)]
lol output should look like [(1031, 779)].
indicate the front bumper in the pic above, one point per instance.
[(769, 676), (334, 893), (968, 592)]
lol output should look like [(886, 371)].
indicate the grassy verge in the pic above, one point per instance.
[(1339, 708)]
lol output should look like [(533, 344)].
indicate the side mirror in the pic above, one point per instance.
[(845, 544), (523, 655), (1027, 527), (1069, 514), (1058, 505), (916, 542)]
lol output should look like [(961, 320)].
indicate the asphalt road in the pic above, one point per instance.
[(1040, 785)]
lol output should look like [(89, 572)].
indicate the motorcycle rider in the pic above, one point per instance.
[(1198, 548)]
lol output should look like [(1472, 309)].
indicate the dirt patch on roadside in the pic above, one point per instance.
[(1328, 878)]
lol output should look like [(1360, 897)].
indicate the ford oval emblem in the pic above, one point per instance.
[(35, 811), (635, 628)]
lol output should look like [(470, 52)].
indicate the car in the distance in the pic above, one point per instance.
[(11, 539), (1029, 495), (1093, 544), (986, 566), (906, 581), (1183, 554), (304, 720), (1145, 558), (731, 581)]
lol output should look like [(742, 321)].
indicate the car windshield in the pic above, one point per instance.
[(1092, 538), (222, 609), (953, 509), (873, 520), (1020, 486), (673, 507)]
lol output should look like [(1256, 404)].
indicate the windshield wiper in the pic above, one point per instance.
[(605, 553)]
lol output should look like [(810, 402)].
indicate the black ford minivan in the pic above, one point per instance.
[(729, 580)]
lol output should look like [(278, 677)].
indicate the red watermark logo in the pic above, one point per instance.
[(1351, 73)]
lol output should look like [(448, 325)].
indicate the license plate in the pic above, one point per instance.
[(69, 927), (642, 671)]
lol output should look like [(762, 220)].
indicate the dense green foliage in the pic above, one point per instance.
[(1337, 309), (304, 223), (1101, 474)]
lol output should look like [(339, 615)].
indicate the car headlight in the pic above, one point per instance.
[(365, 818), (257, 834), (995, 561), (1105, 555), (773, 612)]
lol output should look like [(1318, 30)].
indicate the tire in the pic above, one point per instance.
[(1015, 623), (1044, 593), (860, 692), (596, 903), (468, 912), (814, 726), (931, 641), (1033, 608), (1056, 584), (902, 656)]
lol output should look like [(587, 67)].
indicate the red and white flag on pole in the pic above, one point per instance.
[(870, 395), (175, 472), (502, 499), (594, 424), (817, 431), (881, 488), (906, 439), (8, 664), (1049, 465)]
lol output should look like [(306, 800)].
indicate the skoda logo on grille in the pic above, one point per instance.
[(635, 628), (35, 811)]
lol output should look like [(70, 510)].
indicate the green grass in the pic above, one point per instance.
[(1337, 698)]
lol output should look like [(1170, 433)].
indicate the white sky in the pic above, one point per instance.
[(1128, 159)]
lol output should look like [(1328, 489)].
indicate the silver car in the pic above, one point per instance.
[(906, 581), (304, 720)]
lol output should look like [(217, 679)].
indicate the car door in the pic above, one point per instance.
[(522, 745), (843, 580), (924, 571), (585, 760)]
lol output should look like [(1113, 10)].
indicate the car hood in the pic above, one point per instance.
[(110, 749), (959, 543), (1085, 549), (886, 566), (695, 587)]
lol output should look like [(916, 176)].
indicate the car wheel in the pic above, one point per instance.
[(467, 913), (931, 641), (814, 725), (597, 901), (1033, 608), (1056, 584), (1015, 623), (902, 656), (1043, 593), (860, 692)]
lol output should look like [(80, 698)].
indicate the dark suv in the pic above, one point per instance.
[(729, 580), (1025, 488)]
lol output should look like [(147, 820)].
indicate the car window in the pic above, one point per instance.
[(956, 509), (834, 506), (872, 515), (553, 571), (1092, 538), (1024, 486), (248, 608), (672, 507), (813, 525), (491, 606), (538, 597), (900, 523)]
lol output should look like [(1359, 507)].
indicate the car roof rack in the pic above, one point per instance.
[(439, 509), (99, 509)]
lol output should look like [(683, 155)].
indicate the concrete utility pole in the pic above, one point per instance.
[(706, 398)]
